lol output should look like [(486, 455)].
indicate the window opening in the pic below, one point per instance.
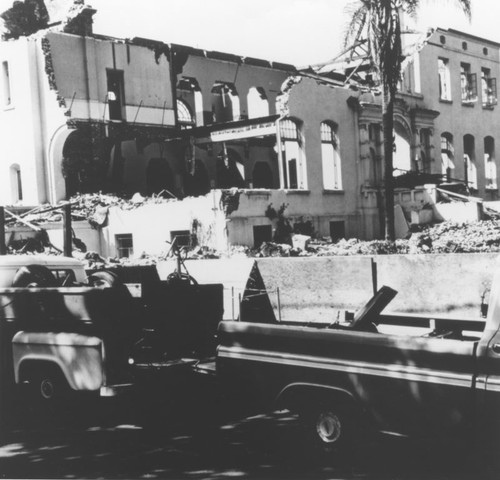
[(258, 105), (332, 178), (7, 99), (490, 164), (225, 103), (184, 115), (16, 185), (124, 245), (293, 167), (470, 168), (468, 83), (115, 94), (488, 88), (262, 234), (183, 238), (447, 155), (444, 79)]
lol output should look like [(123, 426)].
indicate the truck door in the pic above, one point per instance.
[(488, 388)]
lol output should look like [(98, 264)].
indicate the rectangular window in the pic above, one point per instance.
[(330, 157), (6, 92), (115, 96), (490, 172), (444, 79), (182, 238), (262, 234), (468, 84), (124, 245), (488, 88)]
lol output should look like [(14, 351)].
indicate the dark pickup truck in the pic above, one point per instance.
[(399, 374)]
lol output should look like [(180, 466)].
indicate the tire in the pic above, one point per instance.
[(329, 429), (104, 279), (34, 276), (48, 387)]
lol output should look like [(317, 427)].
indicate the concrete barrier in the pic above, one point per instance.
[(446, 284), (316, 289)]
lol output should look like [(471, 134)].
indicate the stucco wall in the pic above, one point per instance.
[(80, 65), (454, 117), (20, 125)]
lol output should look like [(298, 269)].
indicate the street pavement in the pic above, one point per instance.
[(200, 436)]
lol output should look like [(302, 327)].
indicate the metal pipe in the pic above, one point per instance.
[(279, 304), (68, 236), (3, 247)]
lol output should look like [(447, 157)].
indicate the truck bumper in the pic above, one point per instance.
[(114, 390)]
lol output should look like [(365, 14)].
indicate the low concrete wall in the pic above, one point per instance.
[(316, 289), (448, 284)]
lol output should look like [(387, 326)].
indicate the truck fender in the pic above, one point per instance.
[(78, 357), (297, 395)]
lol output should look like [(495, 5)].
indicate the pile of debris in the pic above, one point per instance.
[(90, 206), (446, 237)]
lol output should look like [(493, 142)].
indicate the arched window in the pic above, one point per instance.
[(490, 166), (189, 93), (16, 186), (332, 177), (447, 155), (225, 102), (258, 105), (470, 167), (184, 115), (293, 168)]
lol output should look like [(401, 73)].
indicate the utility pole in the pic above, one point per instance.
[(67, 231), (3, 247)]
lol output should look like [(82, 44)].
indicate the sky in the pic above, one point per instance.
[(300, 32)]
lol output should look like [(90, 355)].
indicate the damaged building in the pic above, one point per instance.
[(259, 141)]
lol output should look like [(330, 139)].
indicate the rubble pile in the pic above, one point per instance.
[(446, 237), (90, 206)]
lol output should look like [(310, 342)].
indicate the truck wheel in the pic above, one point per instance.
[(329, 429), (48, 387), (34, 276), (104, 279)]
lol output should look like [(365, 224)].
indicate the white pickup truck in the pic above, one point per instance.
[(66, 334)]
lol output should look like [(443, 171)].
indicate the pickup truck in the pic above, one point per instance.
[(61, 331), (431, 378)]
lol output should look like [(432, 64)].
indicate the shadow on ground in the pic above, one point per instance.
[(199, 436)]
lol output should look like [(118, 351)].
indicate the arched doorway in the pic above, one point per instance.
[(159, 177), (262, 175), (197, 184), (230, 170)]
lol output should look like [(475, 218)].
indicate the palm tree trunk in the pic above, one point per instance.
[(388, 122)]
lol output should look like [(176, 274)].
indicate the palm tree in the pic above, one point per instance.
[(379, 22)]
